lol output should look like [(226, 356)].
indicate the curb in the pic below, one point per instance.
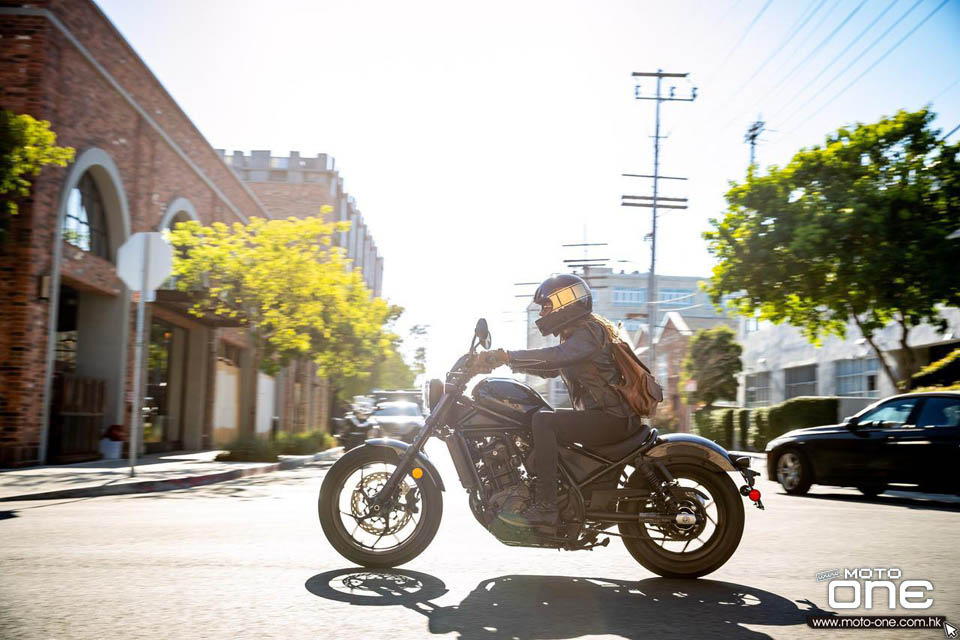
[(185, 482)]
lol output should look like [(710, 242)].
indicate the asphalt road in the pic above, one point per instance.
[(247, 559)]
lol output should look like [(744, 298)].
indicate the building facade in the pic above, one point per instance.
[(66, 351), (779, 363)]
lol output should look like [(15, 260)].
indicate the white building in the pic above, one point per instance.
[(779, 363)]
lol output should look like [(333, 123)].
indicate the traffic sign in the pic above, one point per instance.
[(144, 261)]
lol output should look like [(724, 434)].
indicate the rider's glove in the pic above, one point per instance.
[(493, 359)]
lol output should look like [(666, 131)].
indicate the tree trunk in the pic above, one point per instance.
[(249, 426), (877, 351), (909, 356)]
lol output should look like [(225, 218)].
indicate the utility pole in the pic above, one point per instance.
[(655, 202), (751, 136)]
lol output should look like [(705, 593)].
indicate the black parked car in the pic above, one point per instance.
[(911, 439)]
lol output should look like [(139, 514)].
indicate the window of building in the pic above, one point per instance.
[(84, 225), (632, 324), (229, 353), (676, 297), (758, 389), (278, 163), (801, 381), (629, 297), (278, 176), (858, 378)]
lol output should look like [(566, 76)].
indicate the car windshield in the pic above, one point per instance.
[(405, 409)]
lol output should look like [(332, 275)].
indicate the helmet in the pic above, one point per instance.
[(562, 299)]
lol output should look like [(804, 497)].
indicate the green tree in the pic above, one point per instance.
[(851, 231), (291, 288), (713, 362), (26, 146), (418, 332)]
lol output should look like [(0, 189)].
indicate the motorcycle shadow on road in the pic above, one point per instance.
[(528, 607)]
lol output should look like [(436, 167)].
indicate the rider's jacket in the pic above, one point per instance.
[(585, 362)]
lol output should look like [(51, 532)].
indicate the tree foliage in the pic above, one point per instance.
[(26, 146), (287, 283), (851, 231), (713, 362)]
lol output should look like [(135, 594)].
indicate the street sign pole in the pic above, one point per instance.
[(137, 416), (143, 263)]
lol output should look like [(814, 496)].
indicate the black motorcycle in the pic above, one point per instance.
[(354, 429), (669, 497)]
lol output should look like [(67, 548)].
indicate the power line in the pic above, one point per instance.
[(876, 62), (819, 46), (816, 28), (783, 45), (952, 131), (819, 74), (950, 86), (855, 60), (742, 37)]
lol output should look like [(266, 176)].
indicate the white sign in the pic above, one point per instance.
[(144, 261)]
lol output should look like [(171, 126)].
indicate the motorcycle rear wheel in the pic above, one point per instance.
[(718, 498), (343, 497)]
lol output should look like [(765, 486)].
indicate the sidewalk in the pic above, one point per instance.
[(162, 472)]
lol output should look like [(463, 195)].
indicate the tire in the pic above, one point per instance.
[(718, 547), (794, 471), (430, 504)]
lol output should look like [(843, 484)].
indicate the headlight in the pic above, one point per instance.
[(432, 392)]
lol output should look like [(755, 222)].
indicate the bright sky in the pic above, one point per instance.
[(479, 137)]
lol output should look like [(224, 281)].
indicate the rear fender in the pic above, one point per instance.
[(400, 447), (692, 448)]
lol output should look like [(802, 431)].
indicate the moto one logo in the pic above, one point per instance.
[(868, 586)]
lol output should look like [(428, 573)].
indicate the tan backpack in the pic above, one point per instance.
[(639, 388)]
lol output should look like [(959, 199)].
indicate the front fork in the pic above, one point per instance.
[(385, 498)]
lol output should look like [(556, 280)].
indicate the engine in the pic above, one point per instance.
[(500, 470)]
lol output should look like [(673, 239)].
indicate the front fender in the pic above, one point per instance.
[(697, 448), (400, 447)]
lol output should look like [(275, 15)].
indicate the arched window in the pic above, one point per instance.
[(181, 216), (85, 225)]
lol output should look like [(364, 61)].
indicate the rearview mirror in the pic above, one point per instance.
[(851, 422), (482, 333)]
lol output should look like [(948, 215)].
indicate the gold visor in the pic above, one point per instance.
[(568, 295)]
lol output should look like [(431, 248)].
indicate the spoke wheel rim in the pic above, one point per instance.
[(683, 541), (367, 530)]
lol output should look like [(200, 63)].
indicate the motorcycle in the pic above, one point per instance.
[(358, 425), (670, 498)]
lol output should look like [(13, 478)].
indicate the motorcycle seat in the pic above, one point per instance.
[(621, 449)]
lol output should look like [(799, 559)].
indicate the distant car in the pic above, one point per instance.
[(400, 419), (911, 439)]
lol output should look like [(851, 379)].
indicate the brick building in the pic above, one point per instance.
[(66, 348)]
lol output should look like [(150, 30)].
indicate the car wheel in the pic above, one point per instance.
[(794, 472)]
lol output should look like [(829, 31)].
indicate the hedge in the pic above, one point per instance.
[(716, 425), (754, 428), (943, 372), (742, 427)]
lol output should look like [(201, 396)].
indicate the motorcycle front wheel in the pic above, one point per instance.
[(361, 534), (688, 551)]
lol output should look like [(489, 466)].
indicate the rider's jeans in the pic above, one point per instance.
[(590, 427)]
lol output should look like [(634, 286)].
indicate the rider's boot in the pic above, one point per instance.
[(542, 512)]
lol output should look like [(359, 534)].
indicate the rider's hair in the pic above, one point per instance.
[(613, 332)]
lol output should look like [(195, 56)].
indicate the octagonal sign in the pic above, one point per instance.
[(144, 261)]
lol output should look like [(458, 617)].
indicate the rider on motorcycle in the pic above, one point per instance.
[(584, 360)]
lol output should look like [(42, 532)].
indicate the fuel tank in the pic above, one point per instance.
[(509, 397)]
